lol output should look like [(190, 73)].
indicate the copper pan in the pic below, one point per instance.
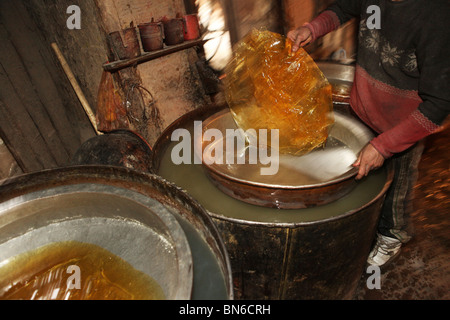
[(320, 177)]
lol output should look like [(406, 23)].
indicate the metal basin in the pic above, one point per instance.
[(116, 148), (317, 178), (212, 277), (136, 228), (340, 77)]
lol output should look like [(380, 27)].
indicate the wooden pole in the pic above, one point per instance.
[(76, 87), (121, 64)]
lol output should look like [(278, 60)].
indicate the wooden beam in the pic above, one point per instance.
[(121, 64), (20, 80), (12, 137), (19, 131)]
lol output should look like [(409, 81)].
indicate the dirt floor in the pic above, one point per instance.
[(422, 271)]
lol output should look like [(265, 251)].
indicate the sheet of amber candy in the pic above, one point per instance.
[(269, 87)]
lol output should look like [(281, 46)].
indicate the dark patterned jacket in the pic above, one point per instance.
[(402, 80)]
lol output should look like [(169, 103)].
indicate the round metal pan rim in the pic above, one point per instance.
[(350, 174), (345, 176)]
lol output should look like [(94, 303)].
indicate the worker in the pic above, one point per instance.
[(401, 90)]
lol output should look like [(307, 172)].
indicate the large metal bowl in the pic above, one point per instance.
[(130, 225), (340, 77), (317, 178)]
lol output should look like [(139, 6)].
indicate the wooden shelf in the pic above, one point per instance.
[(121, 64)]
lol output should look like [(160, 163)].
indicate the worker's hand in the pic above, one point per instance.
[(369, 158), (300, 37)]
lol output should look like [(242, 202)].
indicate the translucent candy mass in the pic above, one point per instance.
[(270, 87)]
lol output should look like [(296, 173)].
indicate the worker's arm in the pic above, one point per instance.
[(329, 20)]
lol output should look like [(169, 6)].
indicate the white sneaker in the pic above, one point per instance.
[(384, 251)]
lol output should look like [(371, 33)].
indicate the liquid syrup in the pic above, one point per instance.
[(50, 273)]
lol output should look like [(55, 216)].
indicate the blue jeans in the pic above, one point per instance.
[(397, 207)]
